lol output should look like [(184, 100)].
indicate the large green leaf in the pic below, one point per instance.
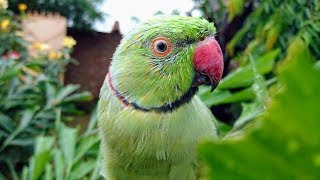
[(24, 122), (83, 169), (284, 143), (59, 164), (244, 76), (96, 171), (84, 146), (10, 73), (25, 175), (92, 125), (78, 97), (68, 140), (50, 94), (6, 122), (48, 174), (226, 96), (41, 157), (64, 93)]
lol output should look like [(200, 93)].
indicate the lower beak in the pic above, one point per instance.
[(200, 79)]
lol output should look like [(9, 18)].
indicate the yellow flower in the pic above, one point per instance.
[(54, 55), (3, 4), (22, 7), (40, 46), (4, 24), (36, 45), (69, 42)]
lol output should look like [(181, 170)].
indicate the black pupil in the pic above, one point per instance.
[(161, 46)]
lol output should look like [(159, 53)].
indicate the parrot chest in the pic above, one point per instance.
[(155, 143)]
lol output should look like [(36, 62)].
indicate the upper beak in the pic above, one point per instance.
[(208, 63)]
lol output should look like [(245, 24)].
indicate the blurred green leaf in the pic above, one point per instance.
[(78, 97), (225, 96), (43, 144), (83, 168), (68, 139), (25, 120), (256, 108), (12, 171), (223, 128), (301, 93), (25, 175), (236, 39), (22, 142), (48, 173), (64, 92), (92, 121), (58, 164), (284, 142), (41, 157), (244, 77), (50, 94), (96, 172), (84, 145), (10, 73), (6, 122), (235, 8), (317, 65), (249, 112)]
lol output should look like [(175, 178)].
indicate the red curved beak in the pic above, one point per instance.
[(208, 62)]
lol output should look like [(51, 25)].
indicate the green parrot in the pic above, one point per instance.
[(150, 119)]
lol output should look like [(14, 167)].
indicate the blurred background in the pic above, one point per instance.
[(54, 56)]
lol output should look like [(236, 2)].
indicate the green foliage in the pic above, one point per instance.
[(34, 101), (242, 77), (284, 142), (65, 155), (273, 23), (80, 13), (235, 8), (14, 41), (265, 37), (276, 135)]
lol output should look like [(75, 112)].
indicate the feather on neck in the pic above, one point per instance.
[(160, 109)]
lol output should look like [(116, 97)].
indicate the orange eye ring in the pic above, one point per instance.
[(161, 46)]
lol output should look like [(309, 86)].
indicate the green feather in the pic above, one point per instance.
[(144, 145)]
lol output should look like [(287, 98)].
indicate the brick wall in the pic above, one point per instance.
[(93, 52)]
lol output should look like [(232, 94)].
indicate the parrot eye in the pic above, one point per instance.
[(161, 46)]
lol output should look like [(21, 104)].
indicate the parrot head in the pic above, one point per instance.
[(159, 64)]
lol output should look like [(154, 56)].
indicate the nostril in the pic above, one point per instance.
[(202, 39)]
